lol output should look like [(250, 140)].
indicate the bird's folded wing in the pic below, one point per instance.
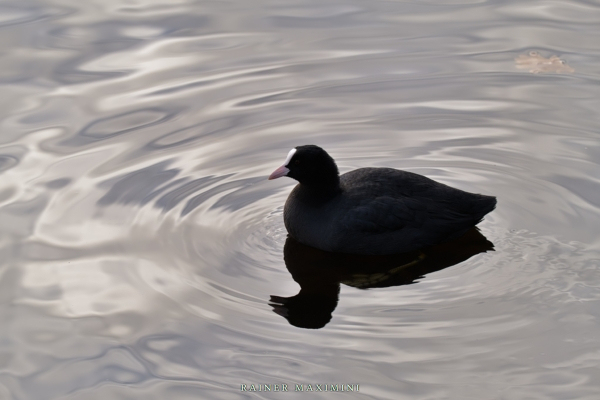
[(388, 214), (384, 214)]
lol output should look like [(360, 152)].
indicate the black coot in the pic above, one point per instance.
[(372, 210)]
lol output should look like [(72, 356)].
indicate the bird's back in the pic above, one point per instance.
[(384, 211)]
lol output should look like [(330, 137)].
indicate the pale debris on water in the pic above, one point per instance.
[(536, 63)]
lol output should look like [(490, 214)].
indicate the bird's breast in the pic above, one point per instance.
[(308, 224)]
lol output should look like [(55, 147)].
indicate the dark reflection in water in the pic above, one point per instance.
[(319, 274)]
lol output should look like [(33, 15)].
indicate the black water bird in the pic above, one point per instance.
[(372, 210)]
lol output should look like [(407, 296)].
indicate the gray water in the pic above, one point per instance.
[(141, 244)]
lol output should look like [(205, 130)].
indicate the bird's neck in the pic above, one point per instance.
[(316, 193)]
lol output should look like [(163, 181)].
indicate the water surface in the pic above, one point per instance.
[(142, 247)]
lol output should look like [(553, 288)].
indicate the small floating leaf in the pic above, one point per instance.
[(536, 63)]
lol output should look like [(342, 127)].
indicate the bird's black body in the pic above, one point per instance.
[(373, 210)]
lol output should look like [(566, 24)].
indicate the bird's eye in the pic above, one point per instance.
[(296, 161)]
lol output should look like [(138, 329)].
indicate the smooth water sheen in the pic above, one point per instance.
[(142, 246)]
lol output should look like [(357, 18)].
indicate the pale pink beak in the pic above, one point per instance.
[(279, 172)]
